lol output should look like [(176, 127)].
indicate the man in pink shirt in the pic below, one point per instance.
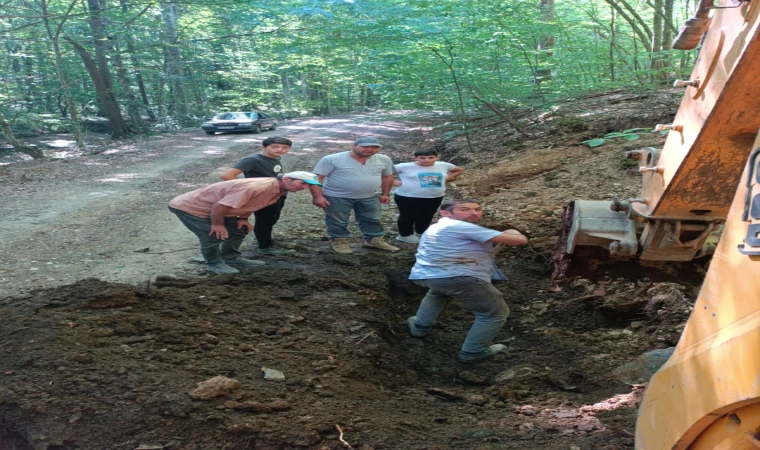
[(218, 214)]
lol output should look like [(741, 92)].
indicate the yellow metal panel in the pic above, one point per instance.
[(715, 368), (702, 163)]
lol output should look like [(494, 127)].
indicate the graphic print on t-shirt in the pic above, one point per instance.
[(277, 169), (430, 179)]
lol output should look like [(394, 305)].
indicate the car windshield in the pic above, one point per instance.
[(233, 116)]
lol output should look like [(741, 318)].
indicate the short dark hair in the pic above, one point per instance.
[(430, 152), (276, 140), (449, 205)]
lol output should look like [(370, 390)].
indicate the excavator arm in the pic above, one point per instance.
[(700, 196), (688, 185), (705, 182)]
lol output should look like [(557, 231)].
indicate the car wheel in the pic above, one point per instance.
[(257, 129), (210, 133), (273, 127)]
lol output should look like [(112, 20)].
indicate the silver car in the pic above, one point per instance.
[(249, 122)]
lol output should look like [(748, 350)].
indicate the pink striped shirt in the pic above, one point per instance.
[(243, 196)]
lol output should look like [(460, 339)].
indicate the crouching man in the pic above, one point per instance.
[(218, 214), (455, 260)]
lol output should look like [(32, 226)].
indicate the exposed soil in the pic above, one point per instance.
[(107, 327)]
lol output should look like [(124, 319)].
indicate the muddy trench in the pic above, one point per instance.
[(104, 365)]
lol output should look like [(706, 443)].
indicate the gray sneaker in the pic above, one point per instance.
[(411, 239), (245, 263), (271, 251), (413, 330), (488, 353), (221, 268)]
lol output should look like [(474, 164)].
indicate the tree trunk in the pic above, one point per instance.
[(327, 106), (162, 93), (136, 67), (105, 97), (612, 44), (99, 40), (657, 35), (286, 89), (668, 27), (58, 62), (132, 109), (302, 88), (18, 146), (31, 94), (449, 63), (645, 35), (545, 47), (13, 48), (173, 55)]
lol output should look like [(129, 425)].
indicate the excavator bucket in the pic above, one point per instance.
[(596, 224)]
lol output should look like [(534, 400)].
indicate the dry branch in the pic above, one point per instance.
[(502, 115)]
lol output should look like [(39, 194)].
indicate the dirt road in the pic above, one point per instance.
[(105, 215)]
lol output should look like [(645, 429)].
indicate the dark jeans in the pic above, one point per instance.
[(265, 220), (214, 250), (415, 214)]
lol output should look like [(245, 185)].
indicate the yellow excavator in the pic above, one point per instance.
[(701, 196)]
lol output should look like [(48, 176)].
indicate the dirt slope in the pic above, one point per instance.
[(98, 364)]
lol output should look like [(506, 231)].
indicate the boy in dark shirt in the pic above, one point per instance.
[(264, 165)]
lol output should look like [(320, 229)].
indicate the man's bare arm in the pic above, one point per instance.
[(317, 199), (386, 184), (453, 173), (510, 237), (230, 174)]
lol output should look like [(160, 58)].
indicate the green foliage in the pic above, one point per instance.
[(630, 134), (304, 57)]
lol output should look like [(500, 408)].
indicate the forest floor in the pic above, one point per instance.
[(107, 325)]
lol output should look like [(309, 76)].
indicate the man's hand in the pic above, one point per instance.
[(244, 223), (385, 199), (320, 202), (219, 232)]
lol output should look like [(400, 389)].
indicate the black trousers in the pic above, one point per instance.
[(415, 214), (265, 220)]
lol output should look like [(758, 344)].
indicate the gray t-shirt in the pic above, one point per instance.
[(346, 177), (455, 248)]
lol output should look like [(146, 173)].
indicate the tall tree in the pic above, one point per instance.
[(545, 47), (173, 57), (54, 35)]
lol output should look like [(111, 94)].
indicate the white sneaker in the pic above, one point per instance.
[(411, 239)]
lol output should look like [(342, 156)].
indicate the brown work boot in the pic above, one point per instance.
[(378, 243), (340, 245)]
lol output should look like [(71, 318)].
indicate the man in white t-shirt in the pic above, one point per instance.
[(455, 260), (351, 183), (422, 184)]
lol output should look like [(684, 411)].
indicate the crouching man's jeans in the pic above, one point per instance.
[(479, 296), (368, 212), (214, 250)]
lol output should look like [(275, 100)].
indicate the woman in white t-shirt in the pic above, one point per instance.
[(422, 184)]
